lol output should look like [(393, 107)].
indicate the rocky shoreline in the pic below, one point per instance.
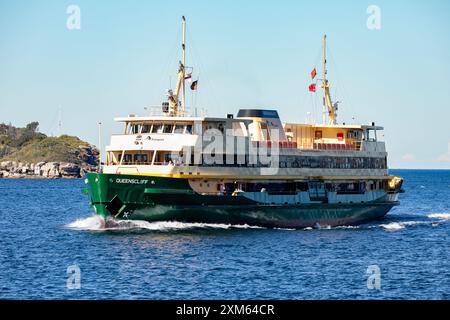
[(43, 170)]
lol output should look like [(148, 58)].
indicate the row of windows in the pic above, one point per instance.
[(316, 189), (298, 162), (165, 158), (159, 128), (333, 162), (161, 158), (136, 158)]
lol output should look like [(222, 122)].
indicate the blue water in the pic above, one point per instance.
[(46, 226)]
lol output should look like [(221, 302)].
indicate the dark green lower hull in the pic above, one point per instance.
[(267, 216), (170, 199)]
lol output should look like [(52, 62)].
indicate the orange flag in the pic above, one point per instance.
[(313, 73)]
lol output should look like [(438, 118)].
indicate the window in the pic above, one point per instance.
[(134, 128), (371, 135), (146, 128), (350, 188), (179, 128), (318, 134), (140, 158), (221, 128), (164, 158), (127, 158), (168, 128), (354, 134), (189, 129), (157, 128), (137, 128)]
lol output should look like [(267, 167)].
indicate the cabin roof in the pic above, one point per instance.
[(132, 118), (342, 126), (177, 119), (157, 118), (257, 113)]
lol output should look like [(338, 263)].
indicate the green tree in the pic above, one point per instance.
[(33, 126)]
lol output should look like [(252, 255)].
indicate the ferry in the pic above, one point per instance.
[(250, 168)]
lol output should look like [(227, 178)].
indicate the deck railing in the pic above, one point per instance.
[(313, 146), (273, 144), (336, 146)]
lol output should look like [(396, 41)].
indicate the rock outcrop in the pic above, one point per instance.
[(13, 169), (25, 152)]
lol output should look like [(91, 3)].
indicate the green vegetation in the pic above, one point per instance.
[(28, 145)]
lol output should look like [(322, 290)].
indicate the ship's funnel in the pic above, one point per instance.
[(266, 125)]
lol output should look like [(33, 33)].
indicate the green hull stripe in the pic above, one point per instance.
[(168, 191)]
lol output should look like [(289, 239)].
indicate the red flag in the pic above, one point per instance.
[(188, 77), (313, 73), (312, 87)]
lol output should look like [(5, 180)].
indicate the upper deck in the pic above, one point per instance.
[(331, 137), (263, 129), (170, 143)]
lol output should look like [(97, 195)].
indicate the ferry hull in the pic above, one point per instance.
[(169, 199)]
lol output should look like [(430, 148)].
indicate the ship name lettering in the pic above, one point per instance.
[(131, 181)]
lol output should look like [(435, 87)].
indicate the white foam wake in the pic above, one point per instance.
[(393, 226), (97, 223), (170, 225), (403, 224), (441, 216), (318, 226), (90, 223)]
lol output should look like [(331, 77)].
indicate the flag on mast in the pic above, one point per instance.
[(188, 77), (194, 85), (312, 87), (313, 73)]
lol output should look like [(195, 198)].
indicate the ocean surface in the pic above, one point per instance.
[(53, 247)]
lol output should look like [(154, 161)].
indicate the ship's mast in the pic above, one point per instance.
[(326, 90), (324, 84), (184, 65), (177, 108)]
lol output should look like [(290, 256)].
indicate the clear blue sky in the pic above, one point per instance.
[(246, 54)]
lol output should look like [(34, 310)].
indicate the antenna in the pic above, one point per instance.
[(59, 121)]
